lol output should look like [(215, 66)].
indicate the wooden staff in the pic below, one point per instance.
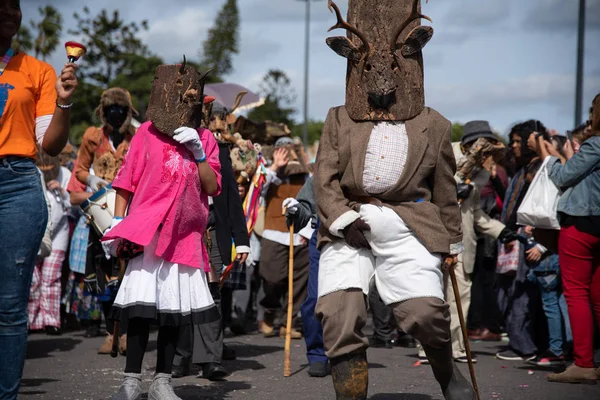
[(115, 345), (450, 265), (287, 367)]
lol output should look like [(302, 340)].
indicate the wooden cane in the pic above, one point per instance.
[(114, 352), (287, 367), (461, 318)]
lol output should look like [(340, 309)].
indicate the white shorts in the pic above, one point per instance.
[(403, 268)]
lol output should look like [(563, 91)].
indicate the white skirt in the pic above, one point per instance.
[(163, 291)]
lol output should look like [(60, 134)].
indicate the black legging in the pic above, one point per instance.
[(137, 340)]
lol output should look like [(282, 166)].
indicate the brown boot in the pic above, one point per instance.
[(350, 375), (295, 334), (106, 347), (266, 326), (575, 374), (454, 385), (123, 344)]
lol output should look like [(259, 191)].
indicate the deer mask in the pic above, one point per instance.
[(384, 79), (176, 98), (219, 120)]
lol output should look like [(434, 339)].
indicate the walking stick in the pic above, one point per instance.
[(287, 368), (461, 318), (115, 345)]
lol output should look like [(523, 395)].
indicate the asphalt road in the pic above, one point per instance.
[(67, 367)]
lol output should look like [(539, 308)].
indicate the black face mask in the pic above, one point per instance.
[(115, 116)]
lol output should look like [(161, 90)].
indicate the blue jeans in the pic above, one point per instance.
[(23, 218), (311, 327), (555, 307)]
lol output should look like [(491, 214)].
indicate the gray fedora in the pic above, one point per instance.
[(474, 130)]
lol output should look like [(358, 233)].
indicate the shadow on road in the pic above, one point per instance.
[(400, 396), (26, 384), (216, 391), (245, 350), (243, 365), (43, 348)]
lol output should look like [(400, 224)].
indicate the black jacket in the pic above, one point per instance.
[(227, 208)]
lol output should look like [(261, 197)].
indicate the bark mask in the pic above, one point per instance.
[(384, 79), (176, 98)]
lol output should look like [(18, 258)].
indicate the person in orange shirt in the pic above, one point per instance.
[(102, 149), (34, 109)]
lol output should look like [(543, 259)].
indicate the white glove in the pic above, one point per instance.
[(291, 204), (95, 183), (110, 246), (191, 139)]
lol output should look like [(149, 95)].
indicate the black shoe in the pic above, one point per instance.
[(379, 343), (237, 327), (179, 371), (405, 341), (318, 369), (53, 331), (228, 353), (213, 371), (93, 331)]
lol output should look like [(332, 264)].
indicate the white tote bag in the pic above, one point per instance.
[(539, 206)]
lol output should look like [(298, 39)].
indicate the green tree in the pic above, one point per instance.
[(457, 132), (23, 41), (136, 76), (315, 128), (279, 98), (85, 101), (109, 40), (221, 43), (115, 56), (49, 29)]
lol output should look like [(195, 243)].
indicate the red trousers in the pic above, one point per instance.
[(579, 255)]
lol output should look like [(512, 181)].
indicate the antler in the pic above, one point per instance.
[(415, 14), (182, 69), (341, 24), (238, 100)]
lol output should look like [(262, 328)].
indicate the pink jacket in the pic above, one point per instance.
[(163, 177)]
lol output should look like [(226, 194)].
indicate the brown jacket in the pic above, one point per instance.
[(425, 195), (94, 144)]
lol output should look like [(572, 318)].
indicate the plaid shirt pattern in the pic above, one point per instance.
[(386, 156), (43, 308), (79, 245), (237, 278)]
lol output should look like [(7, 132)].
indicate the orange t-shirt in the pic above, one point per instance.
[(27, 91)]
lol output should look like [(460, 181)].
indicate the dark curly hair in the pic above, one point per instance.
[(523, 130)]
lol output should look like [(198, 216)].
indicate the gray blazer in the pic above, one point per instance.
[(579, 178), (425, 195)]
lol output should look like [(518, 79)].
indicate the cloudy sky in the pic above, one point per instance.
[(504, 61)]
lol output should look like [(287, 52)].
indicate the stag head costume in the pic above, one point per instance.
[(176, 98), (386, 196), (385, 66)]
